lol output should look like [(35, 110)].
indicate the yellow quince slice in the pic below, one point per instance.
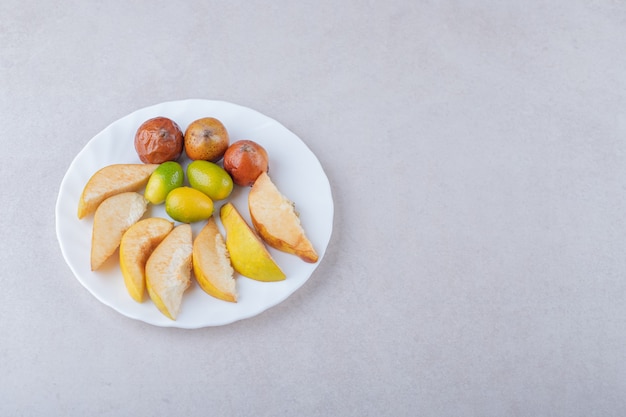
[(137, 245), (248, 253)]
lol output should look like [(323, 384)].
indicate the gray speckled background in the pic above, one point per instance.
[(477, 156)]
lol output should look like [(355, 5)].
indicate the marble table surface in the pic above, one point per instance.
[(476, 153)]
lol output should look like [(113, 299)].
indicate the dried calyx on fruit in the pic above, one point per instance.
[(245, 160), (158, 140)]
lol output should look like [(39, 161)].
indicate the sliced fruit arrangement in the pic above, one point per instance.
[(111, 180), (156, 254), (275, 219), (211, 263)]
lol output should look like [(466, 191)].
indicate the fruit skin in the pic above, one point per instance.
[(188, 205), (165, 178), (244, 160), (206, 139), (248, 254), (275, 219), (211, 263), (168, 270), (158, 140), (111, 180), (210, 178), (113, 217), (137, 245)]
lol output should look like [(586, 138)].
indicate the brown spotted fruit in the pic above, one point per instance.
[(245, 160)]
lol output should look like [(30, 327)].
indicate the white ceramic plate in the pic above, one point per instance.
[(293, 167)]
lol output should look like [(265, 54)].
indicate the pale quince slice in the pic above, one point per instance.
[(113, 217), (248, 253), (211, 263), (136, 246), (111, 180), (275, 219), (168, 270)]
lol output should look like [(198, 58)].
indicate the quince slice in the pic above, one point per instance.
[(274, 218), (168, 270), (111, 180), (113, 217), (248, 254), (137, 245), (211, 263)]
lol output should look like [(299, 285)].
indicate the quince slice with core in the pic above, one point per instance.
[(111, 180), (211, 263), (275, 219), (248, 253), (136, 247), (168, 270), (113, 217)]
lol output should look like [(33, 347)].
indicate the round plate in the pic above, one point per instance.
[(293, 168)]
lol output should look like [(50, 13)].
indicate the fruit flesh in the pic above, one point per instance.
[(248, 254), (168, 271), (111, 180), (137, 245), (211, 263), (113, 217), (275, 219)]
